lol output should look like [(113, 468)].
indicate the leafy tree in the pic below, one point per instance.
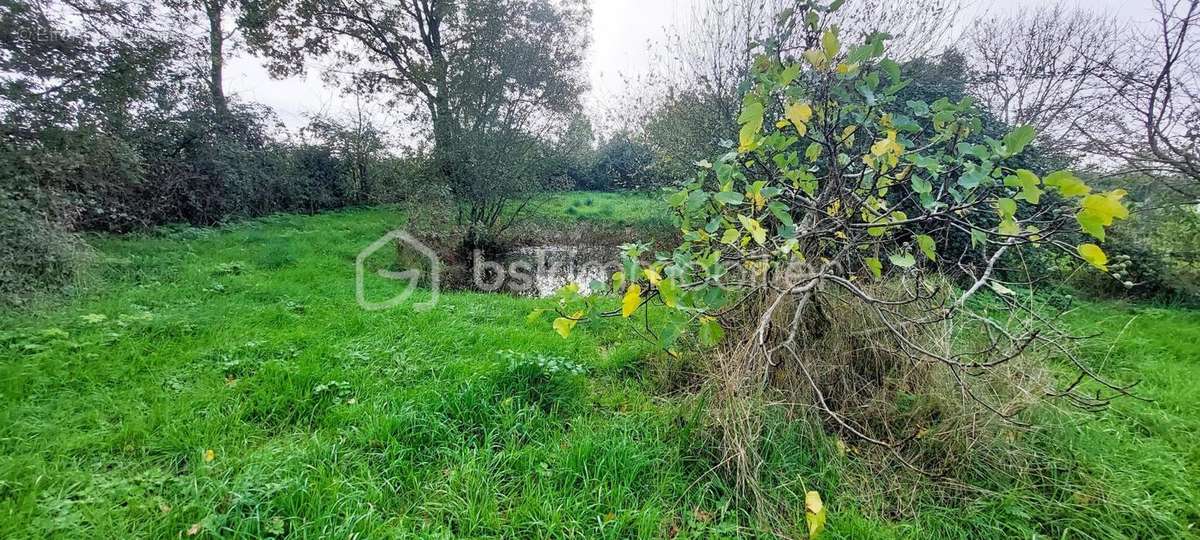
[(212, 16), (56, 74), (623, 161), (358, 143), (573, 156), (804, 219), (684, 129), (487, 73)]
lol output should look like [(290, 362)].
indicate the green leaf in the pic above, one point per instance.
[(1091, 225), (1094, 256), (670, 292), (756, 230), (1028, 182), (813, 152), (618, 279), (534, 315), (978, 238), (903, 260), (730, 197), (667, 335), (752, 122), (789, 74), (730, 236), (891, 68), (875, 266), (710, 331), (921, 185), (568, 291), (1007, 208), (829, 42), (1015, 142), (928, 246), (780, 211), (752, 112)]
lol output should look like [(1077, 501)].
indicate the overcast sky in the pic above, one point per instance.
[(621, 33)]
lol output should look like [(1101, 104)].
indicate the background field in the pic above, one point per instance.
[(327, 421)]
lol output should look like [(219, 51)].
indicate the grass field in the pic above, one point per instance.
[(224, 384)]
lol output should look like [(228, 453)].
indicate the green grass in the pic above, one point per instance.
[(327, 421), (630, 209)]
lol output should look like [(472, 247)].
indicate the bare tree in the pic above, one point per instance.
[(1155, 125), (1043, 67)]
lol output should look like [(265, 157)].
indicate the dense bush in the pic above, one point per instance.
[(685, 129), (1157, 258), (36, 251), (171, 166), (623, 162)]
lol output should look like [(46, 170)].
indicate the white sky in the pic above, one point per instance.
[(622, 31)]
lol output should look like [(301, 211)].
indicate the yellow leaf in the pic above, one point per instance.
[(1094, 255), (209, 455), (564, 325), (1009, 227), (816, 58), (887, 145), (799, 114), (1067, 184), (633, 297), (814, 513), (652, 275), (1106, 206), (1098, 211), (756, 230)]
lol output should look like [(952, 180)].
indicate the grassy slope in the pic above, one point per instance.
[(228, 340)]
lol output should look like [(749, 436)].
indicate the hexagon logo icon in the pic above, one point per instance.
[(411, 275)]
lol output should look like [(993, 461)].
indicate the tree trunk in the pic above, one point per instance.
[(215, 9)]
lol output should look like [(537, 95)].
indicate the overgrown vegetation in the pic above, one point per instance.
[(834, 257), (861, 293), (325, 420)]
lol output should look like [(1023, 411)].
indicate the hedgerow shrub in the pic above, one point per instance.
[(37, 251)]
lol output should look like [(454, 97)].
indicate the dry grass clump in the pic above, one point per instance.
[(903, 416)]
